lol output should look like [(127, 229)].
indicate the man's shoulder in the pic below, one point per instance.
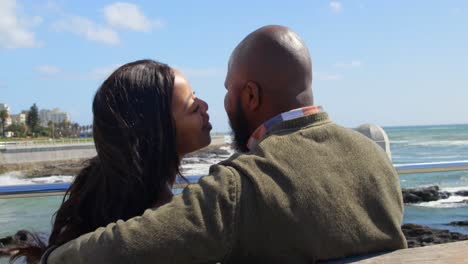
[(285, 145), (232, 163), (321, 132), (239, 164)]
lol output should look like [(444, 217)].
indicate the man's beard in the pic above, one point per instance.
[(240, 130)]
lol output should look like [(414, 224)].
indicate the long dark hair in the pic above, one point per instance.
[(136, 162)]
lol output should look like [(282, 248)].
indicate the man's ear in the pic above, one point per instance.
[(251, 96)]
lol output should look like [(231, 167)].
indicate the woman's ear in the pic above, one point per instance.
[(251, 96)]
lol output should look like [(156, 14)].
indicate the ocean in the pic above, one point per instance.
[(410, 144), (417, 144)]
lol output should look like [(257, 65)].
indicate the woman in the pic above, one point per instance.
[(146, 118)]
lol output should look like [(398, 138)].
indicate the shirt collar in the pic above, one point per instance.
[(265, 127)]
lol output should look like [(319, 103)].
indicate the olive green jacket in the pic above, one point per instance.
[(310, 190)]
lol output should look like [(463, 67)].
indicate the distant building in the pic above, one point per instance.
[(4, 106), (55, 116), (18, 119), (8, 122)]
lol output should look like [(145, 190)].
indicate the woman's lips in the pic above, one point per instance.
[(207, 126)]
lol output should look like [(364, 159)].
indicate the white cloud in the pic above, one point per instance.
[(48, 69), (84, 27), (102, 73), (202, 72), (53, 6), (361, 5), (99, 73), (336, 6), (455, 11), (15, 28), (352, 64), (129, 16), (320, 76), (118, 15)]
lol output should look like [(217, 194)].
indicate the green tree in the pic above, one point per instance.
[(63, 129), (18, 129), (44, 132), (32, 120), (51, 128), (3, 117), (75, 130)]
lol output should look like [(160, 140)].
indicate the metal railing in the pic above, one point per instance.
[(432, 167), (53, 189)]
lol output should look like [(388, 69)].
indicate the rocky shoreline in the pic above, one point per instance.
[(73, 167), (45, 169), (211, 151), (429, 194), (420, 236)]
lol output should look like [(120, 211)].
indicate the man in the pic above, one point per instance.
[(302, 189)]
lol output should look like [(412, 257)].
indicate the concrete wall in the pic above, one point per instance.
[(39, 153)]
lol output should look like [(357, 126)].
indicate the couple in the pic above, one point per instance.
[(301, 188)]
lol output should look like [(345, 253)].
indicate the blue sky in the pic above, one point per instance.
[(385, 62)]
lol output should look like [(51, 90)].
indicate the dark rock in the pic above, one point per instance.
[(419, 236), (462, 193), (411, 198), (21, 238), (459, 223), (444, 195), (210, 152), (413, 230), (425, 194), (412, 243), (427, 239), (46, 168), (444, 235), (73, 167)]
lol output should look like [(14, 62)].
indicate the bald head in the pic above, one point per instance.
[(269, 72), (277, 60)]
